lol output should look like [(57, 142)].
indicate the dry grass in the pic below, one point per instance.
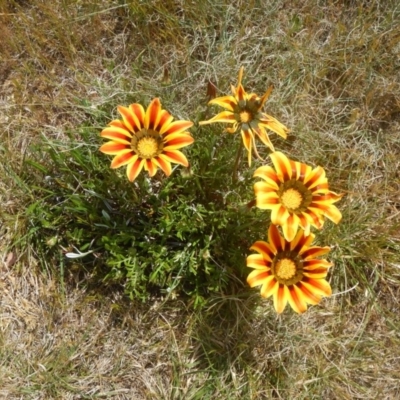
[(335, 68)]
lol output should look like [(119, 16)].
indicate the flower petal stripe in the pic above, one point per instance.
[(175, 156), (176, 127), (124, 157), (134, 168), (175, 141), (138, 114), (112, 148), (117, 134)]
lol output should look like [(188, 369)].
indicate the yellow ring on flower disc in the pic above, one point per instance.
[(291, 199), (285, 268)]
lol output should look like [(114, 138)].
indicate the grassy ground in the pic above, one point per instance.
[(65, 66)]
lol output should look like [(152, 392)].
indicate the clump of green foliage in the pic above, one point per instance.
[(184, 235)]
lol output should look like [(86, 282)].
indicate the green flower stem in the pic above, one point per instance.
[(235, 167)]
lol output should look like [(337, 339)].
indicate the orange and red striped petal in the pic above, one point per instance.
[(119, 124), (233, 90), (254, 147), (304, 224), (296, 300), (258, 277), (265, 96), (318, 286), (176, 127), (153, 114), (279, 215), (274, 125), (282, 166), (303, 170), (333, 214), (321, 188), (290, 227), (134, 168), (164, 165), (261, 188), (240, 77), (150, 167), (241, 94), (308, 296), (311, 265), (269, 286), (281, 296), (313, 252), (130, 118), (326, 198), (224, 116), (112, 148), (301, 241), (264, 193), (124, 157), (138, 114), (174, 156), (268, 174), (296, 169), (265, 249), (176, 141), (247, 138), (314, 217), (165, 119), (315, 177), (268, 203), (256, 261), (317, 273), (275, 239), (263, 136), (228, 102), (120, 135)]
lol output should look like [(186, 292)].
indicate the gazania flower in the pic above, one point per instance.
[(289, 271), (296, 194), (244, 112), (148, 140)]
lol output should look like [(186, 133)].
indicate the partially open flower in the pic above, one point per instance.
[(296, 194), (244, 112), (148, 140), (289, 271)]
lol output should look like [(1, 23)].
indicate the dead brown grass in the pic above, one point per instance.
[(335, 68)]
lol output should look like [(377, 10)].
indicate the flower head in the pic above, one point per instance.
[(244, 112), (148, 140), (296, 194), (289, 271)]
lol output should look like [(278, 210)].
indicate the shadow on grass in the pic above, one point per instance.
[(222, 333)]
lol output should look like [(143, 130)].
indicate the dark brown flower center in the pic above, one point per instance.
[(147, 143)]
